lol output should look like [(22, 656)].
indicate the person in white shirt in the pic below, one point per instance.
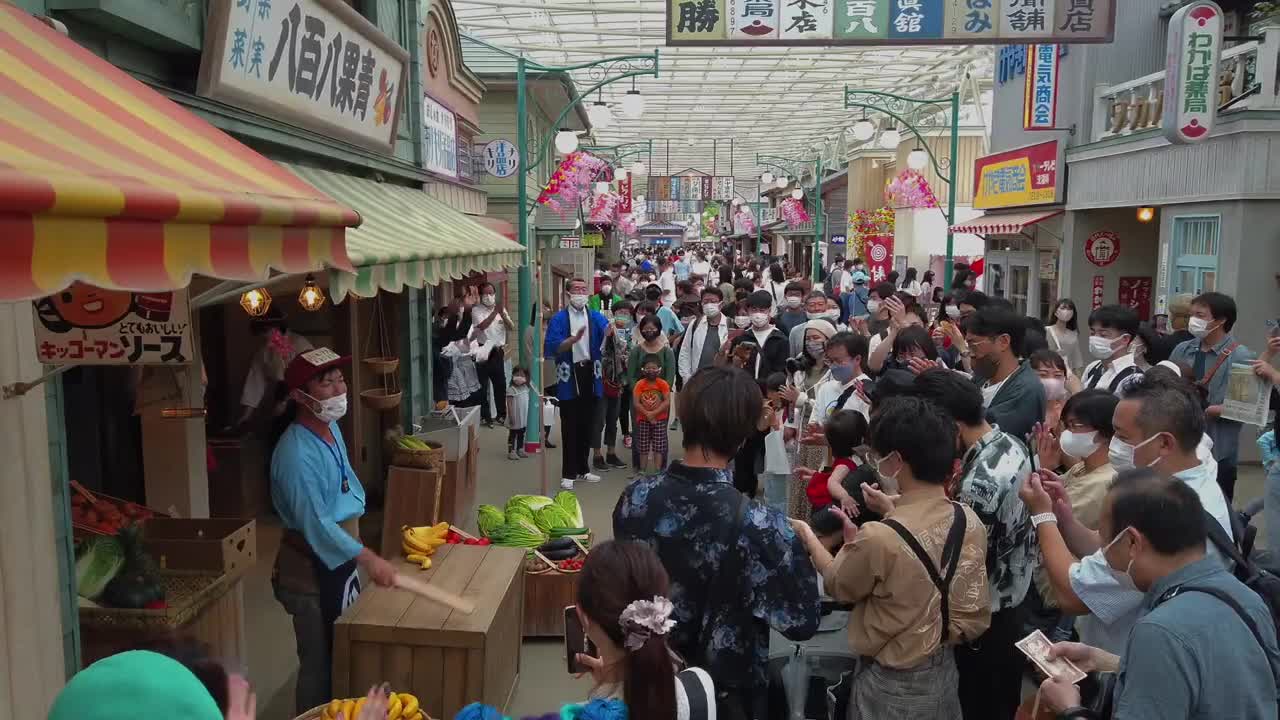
[(1159, 425), (704, 336), (280, 346), (700, 265), (574, 341), (846, 355), (489, 325), (912, 286), (1113, 329), (667, 282), (1063, 335)]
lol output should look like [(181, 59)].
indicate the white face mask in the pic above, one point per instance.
[(1079, 445), (578, 301), (1199, 327), (953, 312), (1102, 348), (1120, 453), (1054, 389), (1064, 314), (330, 409), (792, 303), (873, 306), (1095, 567), (759, 320), (891, 478), (606, 289), (488, 300), (711, 309), (742, 321)]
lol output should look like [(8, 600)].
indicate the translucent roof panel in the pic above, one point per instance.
[(768, 100)]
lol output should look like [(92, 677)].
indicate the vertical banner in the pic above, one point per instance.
[(1135, 292), (1040, 102), (807, 19), (1030, 18), (705, 190), (753, 19), (879, 257), (1191, 73), (1099, 285), (624, 195), (862, 19)]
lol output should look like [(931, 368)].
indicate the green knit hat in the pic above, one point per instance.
[(132, 685)]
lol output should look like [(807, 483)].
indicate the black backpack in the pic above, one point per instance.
[(1254, 576)]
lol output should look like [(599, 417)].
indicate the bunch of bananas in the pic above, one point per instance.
[(401, 706), (408, 442), (420, 543)]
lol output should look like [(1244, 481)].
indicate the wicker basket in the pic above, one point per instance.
[(380, 399), (538, 564), (432, 459), (317, 712), (382, 365), (186, 594)]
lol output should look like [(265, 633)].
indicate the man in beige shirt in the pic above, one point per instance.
[(902, 625)]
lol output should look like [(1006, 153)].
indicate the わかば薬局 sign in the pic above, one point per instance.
[(316, 63), (1191, 74), (1016, 178)]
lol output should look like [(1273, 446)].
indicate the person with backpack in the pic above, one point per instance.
[(1112, 328), (1206, 646), (917, 579)]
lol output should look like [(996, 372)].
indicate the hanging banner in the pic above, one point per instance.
[(723, 189), (1191, 73), (874, 22), (879, 256), (1025, 176), (704, 192), (439, 138), (1135, 292), (87, 325), (1099, 283), (624, 195), (1040, 101)]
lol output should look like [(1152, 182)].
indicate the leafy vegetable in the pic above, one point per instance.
[(489, 517), (569, 502), (97, 565), (551, 517), (517, 535), (530, 502)]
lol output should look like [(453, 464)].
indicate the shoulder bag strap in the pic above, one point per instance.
[(844, 397), (1120, 377), (1222, 541), (950, 559), (732, 558), (1222, 358), (701, 698), (1226, 600)]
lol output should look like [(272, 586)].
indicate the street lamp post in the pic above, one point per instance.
[(789, 166), (914, 114)]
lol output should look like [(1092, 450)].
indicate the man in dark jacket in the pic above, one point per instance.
[(1011, 390)]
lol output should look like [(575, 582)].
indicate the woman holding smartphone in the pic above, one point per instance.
[(624, 610)]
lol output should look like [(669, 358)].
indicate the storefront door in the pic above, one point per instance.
[(1014, 276), (1195, 247)]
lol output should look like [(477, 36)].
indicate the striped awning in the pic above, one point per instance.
[(1005, 223), (104, 180), (407, 238)]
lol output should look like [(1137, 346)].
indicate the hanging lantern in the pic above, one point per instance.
[(633, 104), (566, 141), (797, 194), (638, 168), (767, 178), (917, 159), (863, 130), (256, 302), (311, 298)]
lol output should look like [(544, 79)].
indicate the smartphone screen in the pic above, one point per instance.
[(575, 641)]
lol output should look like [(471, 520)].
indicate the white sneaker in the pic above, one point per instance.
[(566, 483), (590, 478)]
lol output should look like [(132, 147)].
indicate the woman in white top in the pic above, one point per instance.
[(777, 285), (624, 610), (1063, 336), (926, 290), (802, 394), (912, 286)]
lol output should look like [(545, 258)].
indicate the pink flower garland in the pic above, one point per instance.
[(910, 190), (571, 183), (794, 212)]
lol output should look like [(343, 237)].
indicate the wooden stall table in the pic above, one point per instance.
[(446, 658)]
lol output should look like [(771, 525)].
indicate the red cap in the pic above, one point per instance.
[(311, 363)]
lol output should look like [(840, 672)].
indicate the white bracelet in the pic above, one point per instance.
[(1037, 520)]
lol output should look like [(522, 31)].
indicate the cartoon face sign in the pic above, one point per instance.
[(85, 306)]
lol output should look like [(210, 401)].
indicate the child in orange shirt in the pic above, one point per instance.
[(652, 397)]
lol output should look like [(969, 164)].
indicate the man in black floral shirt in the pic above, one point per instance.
[(737, 568)]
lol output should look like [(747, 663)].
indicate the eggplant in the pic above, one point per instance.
[(557, 545), (561, 554)]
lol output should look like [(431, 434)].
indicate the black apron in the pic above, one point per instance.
[(299, 570)]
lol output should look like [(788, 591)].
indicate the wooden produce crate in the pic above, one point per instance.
[(458, 496), (548, 590), (215, 546), (238, 484), (413, 498), (446, 658)]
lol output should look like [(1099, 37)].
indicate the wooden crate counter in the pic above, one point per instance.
[(446, 658)]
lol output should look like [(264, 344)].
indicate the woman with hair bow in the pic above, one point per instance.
[(623, 607)]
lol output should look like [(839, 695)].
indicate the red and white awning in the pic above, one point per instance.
[(1004, 224)]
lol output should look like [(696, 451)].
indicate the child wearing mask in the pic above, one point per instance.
[(652, 400), (517, 413)]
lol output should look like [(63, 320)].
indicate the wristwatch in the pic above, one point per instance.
[(1077, 712), (1037, 520)]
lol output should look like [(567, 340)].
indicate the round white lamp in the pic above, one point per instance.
[(620, 174), (602, 187), (863, 130), (782, 182), (566, 141), (767, 178), (637, 168), (633, 104), (917, 159), (797, 193), (600, 115), (890, 139)]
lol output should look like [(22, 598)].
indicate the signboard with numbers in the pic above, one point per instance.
[(88, 325), (881, 22), (1040, 102), (1191, 74), (1025, 176), (439, 138), (316, 63)]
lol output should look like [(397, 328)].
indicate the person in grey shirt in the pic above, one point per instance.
[(1206, 646)]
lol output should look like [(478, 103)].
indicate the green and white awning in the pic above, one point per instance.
[(407, 238)]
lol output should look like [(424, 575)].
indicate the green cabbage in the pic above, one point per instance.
[(552, 516), (489, 517), (531, 502), (569, 502), (519, 512), (519, 533), (99, 563)]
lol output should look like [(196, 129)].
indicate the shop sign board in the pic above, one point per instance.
[(1099, 286), (722, 188), (838, 239), (316, 63), (1016, 178), (1191, 72), (501, 158), (1102, 248), (439, 138), (592, 240), (1040, 102), (87, 325), (1135, 292), (879, 22), (624, 195), (569, 242), (879, 250)]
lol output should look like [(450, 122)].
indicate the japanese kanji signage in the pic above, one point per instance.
[(879, 250), (1026, 176), (1102, 248), (87, 325), (1099, 288), (1040, 104), (439, 138), (317, 63), (722, 188), (874, 22), (501, 158), (1191, 75), (592, 239), (1135, 292), (624, 195), (691, 189)]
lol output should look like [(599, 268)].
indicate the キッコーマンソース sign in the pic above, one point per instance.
[(88, 325), (316, 63), (882, 22), (1016, 178)]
